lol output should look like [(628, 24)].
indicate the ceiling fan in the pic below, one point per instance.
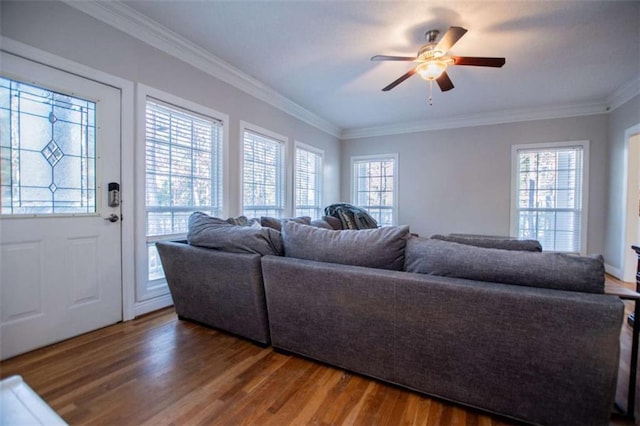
[(433, 62)]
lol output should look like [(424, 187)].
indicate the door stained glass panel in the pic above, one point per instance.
[(47, 151)]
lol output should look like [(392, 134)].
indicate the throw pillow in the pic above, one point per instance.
[(504, 243), (211, 232), (242, 221), (334, 222), (534, 269), (376, 248), (275, 223), (320, 223)]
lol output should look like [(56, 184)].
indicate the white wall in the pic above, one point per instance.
[(621, 119), (458, 180), (64, 31), (450, 180)]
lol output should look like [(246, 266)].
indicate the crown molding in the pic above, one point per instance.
[(133, 23), (624, 94), (473, 120)]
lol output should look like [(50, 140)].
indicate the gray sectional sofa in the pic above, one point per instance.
[(517, 332)]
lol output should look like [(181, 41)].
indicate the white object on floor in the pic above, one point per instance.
[(21, 406)]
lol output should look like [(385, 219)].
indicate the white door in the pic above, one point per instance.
[(60, 257)]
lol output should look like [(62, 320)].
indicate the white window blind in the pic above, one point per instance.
[(308, 183), (183, 172), (374, 187), (262, 175), (549, 196)]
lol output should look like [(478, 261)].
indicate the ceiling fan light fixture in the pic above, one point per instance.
[(432, 70), (432, 62)]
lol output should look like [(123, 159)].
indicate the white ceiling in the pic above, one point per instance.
[(560, 55)]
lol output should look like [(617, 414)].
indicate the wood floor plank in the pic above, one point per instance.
[(158, 370), (315, 397)]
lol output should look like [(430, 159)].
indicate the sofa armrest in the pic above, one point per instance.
[(216, 288)]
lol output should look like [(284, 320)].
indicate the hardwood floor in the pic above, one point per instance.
[(158, 370)]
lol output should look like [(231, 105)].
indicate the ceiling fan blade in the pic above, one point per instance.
[(392, 58), (400, 80), (444, 82), (450, 38), (478, 62)]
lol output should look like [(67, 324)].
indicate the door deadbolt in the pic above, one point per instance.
[(112, 218), (114, 195)]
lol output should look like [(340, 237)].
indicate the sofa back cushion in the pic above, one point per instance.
[(504, 243), (211, 232), (534, 269), (376, 248)]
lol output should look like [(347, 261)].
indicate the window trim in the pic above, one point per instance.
[(284, 172), (320, 182), (377, 157), (149, 289), (584, 144)]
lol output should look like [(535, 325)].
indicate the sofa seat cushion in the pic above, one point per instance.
[(381, 248), (504, 243), (546, 270), (215, 233)]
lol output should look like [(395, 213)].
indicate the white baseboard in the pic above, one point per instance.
[(146, 306), (616, 272)]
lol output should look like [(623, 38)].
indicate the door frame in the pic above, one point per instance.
[(127, 134), (630, 177)]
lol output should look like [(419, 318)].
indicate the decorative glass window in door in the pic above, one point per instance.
[(47, 151)]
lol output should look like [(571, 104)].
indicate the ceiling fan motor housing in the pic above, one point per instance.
[(427, 51), (431, 35)]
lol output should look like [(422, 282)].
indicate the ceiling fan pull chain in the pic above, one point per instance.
[(431, 92)]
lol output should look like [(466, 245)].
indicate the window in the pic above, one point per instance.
[(183, 173), (263, 184), (47, 151), (549, 190), (308, 181), (375, 186)]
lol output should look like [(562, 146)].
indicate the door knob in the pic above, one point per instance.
[(112, 217)]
